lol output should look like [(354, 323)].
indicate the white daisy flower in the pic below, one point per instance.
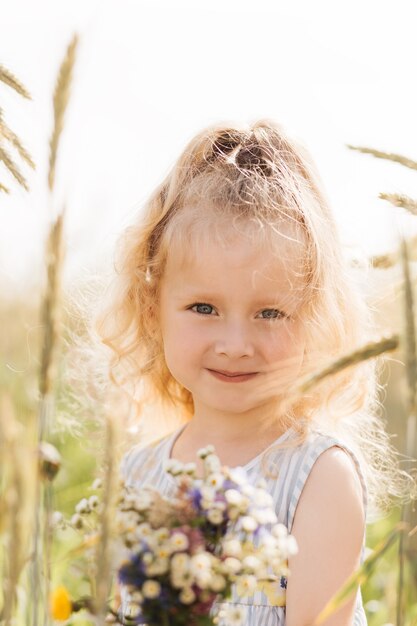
[(162, 533), (238, 475), (204, 579), (232, 547), (187, 595), (93, 502), (144, 530), (151, 589), (180, 562), (233, 496), (246, 585), (217, 583), (200, 562), (231, 565), (249, 523), (215, 516), (279, 530), (262, 498), (252, 562), (158, 567), (203, 452), (179, 541), (162, 551), (264, 516), (180, 580), (83, 506), (143, 500), (292, 547), (248, 490), (212, 464), (206, 504), (207, 492), (216, 480), (232, 615), (173, 466)]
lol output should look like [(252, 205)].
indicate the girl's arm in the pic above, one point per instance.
[(329, 527)]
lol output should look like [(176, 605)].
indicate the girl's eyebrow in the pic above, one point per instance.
[(277, 300)]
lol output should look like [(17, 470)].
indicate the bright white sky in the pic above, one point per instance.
[(151, 73)]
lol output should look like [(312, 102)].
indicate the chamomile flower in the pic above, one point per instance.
[(216, 480), (200, 562), (232, 615), (180, 562), (179, 541), (212, 464), (246, 584), (217, 583), (157, 567), (232, 547), (187, 595), (252, 563), (215, 516), (203, 452), (249, 523), (231, 565), (151, 589), (83, 506)]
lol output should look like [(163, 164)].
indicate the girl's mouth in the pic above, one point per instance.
[(232, 377)]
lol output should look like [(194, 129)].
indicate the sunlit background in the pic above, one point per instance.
[(150, 73)]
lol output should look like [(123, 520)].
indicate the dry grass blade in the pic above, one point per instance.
[(61, 97), (400, 200), (360, 576), (409, 336), (12, 167), (9, 79), (15, 141), (369, 351), (50, 310), (16, 498), (397, 158), (409, 348), (104, 557), (4, 189)]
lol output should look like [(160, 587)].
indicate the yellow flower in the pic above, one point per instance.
[(60, 604)]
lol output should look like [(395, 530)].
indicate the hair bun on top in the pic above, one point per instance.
[(252, 158), (226, 142), (249, 156)]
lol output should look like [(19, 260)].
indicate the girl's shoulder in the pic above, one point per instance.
[(327, 447)]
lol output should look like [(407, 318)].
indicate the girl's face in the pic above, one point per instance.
[(229, 323)]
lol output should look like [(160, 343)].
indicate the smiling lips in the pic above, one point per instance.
[(232, 377)]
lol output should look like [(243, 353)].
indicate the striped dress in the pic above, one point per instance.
[(144, 465)]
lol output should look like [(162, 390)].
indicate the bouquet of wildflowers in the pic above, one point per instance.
[(183, 553)]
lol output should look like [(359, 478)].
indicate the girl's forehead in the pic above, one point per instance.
[(277, 260)]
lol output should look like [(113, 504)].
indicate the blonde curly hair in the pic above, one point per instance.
[(252, 177)]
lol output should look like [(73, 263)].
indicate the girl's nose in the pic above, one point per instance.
[(235, 343)]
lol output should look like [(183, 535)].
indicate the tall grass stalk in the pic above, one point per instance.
[(104, 556), (51, 323), (388, 156), (16, 470), (406, 544)]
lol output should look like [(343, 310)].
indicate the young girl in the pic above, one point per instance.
[(231, 288)]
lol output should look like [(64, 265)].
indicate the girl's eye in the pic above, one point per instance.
[(203, 309), (207, 309), (272, 314)]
